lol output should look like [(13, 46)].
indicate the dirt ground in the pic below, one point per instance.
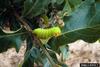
[(11, 58), (80, 52)]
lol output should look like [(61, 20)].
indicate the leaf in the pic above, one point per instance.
[(74, 3), (11, 40), (60, 1), (14, 23), (70, 6), (29, 42), (67, 8), (64, 50), (83, 24), (32, 54), (35, 53), (31, 51), (28, 63), (64, 65), (46, 63), (98, 6), (28, 60), (45, 60), (53, 55), (35, 7), (97, 1)]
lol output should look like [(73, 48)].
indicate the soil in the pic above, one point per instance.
[(82, 52), (11, 58)]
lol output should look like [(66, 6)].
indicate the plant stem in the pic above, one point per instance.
[(48, 56), (23, 22)]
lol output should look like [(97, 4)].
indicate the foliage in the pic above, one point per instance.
[(78, 19)]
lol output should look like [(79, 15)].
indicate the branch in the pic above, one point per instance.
[(23, 22)]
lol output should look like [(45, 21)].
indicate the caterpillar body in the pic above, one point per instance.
[(47, 33)]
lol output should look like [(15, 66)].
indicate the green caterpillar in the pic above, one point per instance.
[(47, 33)]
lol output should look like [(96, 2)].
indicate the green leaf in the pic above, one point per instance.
[(45, 60), (35, 7), (60, 1), (46, 63), (70, 6), (64, 50), (97, 6), (29, 43), (74, 3), (53, 55), (35, 53), (28, 63), (8, 40), (15, 24), (67, 8), (31, 51), (64, 65), (83, 24), (31, 56), (57, 2), (97, 1)]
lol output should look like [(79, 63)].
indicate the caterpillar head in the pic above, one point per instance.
[(56, 31)]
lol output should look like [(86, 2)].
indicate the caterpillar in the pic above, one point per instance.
[(47, 33)]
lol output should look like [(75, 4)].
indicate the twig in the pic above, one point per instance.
[(48, 56), (23, 22)]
